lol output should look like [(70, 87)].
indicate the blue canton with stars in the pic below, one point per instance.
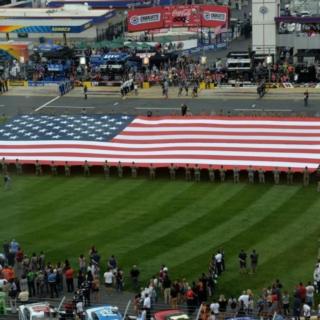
[(65, 127)]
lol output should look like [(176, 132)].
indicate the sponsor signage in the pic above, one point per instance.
[(147, 18), (293, 27), (107, 4), (43, 83), (210, 47), (144, 19), (16, 83), (208, 16), (43, 29)]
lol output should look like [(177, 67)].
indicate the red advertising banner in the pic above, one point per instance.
[(145, 19), (209, 16), (181, 16), (214, 16)]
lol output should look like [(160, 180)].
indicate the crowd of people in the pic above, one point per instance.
[(180, 70), (24, 276)]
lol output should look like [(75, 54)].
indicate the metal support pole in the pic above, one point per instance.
[(126, 310), (199, 313)]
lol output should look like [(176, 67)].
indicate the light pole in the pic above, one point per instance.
[(22, 62), (269, 63), (125, 13)]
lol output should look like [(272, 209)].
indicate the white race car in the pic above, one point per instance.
[(36, 311)]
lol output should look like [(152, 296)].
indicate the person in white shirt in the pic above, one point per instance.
[(214, 307), (245, 299), (306, 311), (309, 294), (218, 261), (23, 296), (147, 306), (108, 278), (316, 278), (79, 307)]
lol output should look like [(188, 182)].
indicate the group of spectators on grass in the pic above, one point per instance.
[(175, 292), (25, 276)]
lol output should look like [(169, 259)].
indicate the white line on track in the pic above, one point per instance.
[(70, 107), (281, 110), (47, 103), (156, 108), (254, 109), (2, 105)]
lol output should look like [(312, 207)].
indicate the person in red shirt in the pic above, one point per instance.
[(190, 297), (302, 291), (19, 255), (8, 273), (69, 279)]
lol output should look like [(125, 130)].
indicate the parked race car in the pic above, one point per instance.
[(105, 312), (173, 314), (37, 311)]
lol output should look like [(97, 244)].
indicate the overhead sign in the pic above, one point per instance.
[(55, 67), (207, 16), (107, 4), (144, 19), (293, 27), (44, 29)]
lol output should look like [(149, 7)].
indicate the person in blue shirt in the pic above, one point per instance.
[(14, 246), (52, 280)]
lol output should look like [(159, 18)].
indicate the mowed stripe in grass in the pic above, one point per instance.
[(53, 208), (206, 199), (288, 228), (200, 250), (125, 214), (184, 232), (154, 222)]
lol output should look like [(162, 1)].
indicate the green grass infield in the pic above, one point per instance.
[(177, 223)]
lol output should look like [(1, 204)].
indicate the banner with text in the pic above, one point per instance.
[(209, 16)]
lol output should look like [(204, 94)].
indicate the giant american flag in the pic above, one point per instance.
[(204, 140)]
